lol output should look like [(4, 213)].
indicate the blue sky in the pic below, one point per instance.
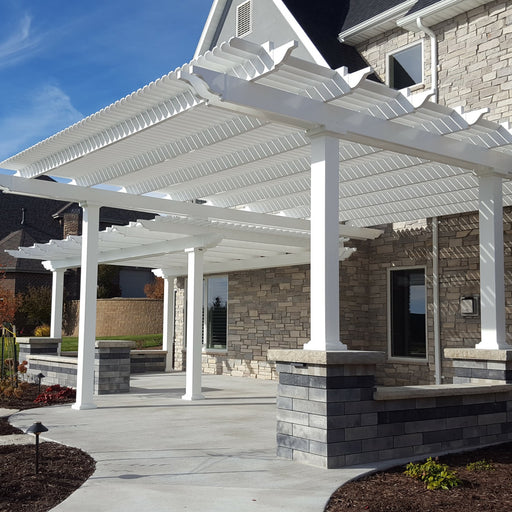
[(62, 60)]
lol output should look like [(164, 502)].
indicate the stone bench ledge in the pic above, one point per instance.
[(52, 358), (37, 340), (477, 354), (432, 391), (115, 344), (143, 352), (347, 357)]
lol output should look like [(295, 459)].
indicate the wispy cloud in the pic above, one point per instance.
[(19, 44), (49, 111)]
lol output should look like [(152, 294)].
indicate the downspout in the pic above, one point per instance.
[(435, 301), (433, 56), (435, 231)]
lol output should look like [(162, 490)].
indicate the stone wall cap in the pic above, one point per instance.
[(478, 354), (436, 390), (52, 358), (115, 344), (36, 340), (148, 352), (359, 357)]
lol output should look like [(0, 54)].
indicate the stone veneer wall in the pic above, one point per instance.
[(123, 317), (330, 415), (474, 60), (270, 308)]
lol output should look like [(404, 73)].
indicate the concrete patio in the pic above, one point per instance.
[(155, 451)]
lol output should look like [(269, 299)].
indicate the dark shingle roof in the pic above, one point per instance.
[(362, 10), (322, 24), (421, 4)]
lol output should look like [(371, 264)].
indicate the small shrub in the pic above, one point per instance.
[(480, 465), (433, 474), (55, 393), (42, 331)]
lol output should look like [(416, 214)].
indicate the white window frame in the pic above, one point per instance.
[(398, 50), (417, 360), (238, 9)]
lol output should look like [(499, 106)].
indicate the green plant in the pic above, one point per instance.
[(36, 305), (480, 465), (434, 474), (42, 330)]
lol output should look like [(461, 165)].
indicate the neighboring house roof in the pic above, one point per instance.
[(19, 238)]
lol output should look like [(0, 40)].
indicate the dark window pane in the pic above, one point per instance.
[(406, 68), (217, 297), (408, 310)]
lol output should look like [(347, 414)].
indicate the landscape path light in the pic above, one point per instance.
[(40, 376), (36, 429)]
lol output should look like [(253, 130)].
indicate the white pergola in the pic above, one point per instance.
[(280, 151)]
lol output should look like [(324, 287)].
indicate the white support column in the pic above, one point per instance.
[(325, 245), (194, 324), (57, 304), (492, 267), (87, 320), (168, 316)]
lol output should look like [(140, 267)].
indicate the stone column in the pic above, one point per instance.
[(325, 405), (112, 366)]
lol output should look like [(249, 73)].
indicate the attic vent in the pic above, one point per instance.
[(243, 19)]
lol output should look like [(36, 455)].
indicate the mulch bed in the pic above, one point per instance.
[(62, 469), (392, 491)]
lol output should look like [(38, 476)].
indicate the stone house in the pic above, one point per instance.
[(458, 53)]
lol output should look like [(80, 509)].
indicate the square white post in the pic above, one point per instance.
[(168, 327), (57, 304), (87, 320), (492, 267), (194, 324), (325, 245)]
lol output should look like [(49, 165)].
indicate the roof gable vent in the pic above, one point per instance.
[(243, 19)]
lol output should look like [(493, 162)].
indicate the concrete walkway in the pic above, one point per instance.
[(157, 452)]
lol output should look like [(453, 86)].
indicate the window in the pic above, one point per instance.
[(214, 314), (408, 313), (216, 307), (243, 19), (405, 67)]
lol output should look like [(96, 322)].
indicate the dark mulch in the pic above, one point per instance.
[(392, 491), (62, 469)]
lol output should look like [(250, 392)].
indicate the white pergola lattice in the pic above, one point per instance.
[(278, 149)]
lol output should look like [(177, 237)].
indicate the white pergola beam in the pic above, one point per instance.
[(148, 250), (343, 123)]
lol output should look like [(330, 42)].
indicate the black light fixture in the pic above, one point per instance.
[(36, 429), (39, 377)]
